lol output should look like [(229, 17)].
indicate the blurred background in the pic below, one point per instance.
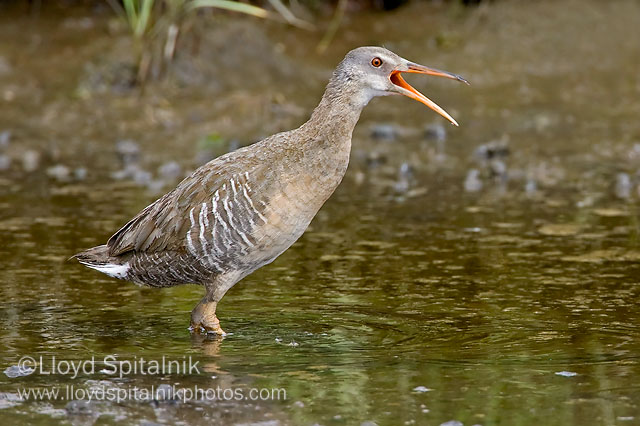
[(486, 274)]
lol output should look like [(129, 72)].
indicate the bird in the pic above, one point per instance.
[(241, 210)]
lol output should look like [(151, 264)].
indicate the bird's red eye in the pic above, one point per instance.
[(376, 62)]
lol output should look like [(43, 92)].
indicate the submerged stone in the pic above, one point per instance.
[(18, 371), (59, 172), (31, 160), (386, 132), (623, 186), (435, 131), (473, 183), (566, 373), (5, 138), (170, 171), (128, 151)]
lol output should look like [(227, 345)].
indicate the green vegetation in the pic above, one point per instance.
[(156, 25)]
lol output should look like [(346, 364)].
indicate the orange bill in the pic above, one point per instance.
[(409, 91)]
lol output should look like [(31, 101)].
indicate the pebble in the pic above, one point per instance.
[(170, 171), (386, 132), (5, 138), (405, 174), (17, 371), (473, 183), (31, 160), (79, 406), (142, 177), (5, 162), (80, 173), (128, 151), (492, 150), (498, 169), (452, 423), (164, 392), (566, 373), (156, 186), (375, 159), (59, 172), (623, 186), (422, 389), (436, 132), (135, 173), (530, 187)]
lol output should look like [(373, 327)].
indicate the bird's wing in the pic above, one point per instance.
[(199, 213)]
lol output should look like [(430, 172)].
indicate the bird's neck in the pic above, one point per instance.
[(337, 113)]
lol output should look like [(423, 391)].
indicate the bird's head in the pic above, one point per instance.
[(377, 71)]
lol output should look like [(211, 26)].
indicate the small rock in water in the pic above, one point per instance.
[(5, 162), (405, 174), (472, 182), (8, 400), (566, 373), (530, 187), (128, 151), (164, 392), (422, 389), (498, 169), (170, 170), (294, 343), (5, 137), (452, 423), (623, 186), (59, 172), (156, 185), (369, 423), (31, 161), (386, 132), (79, 406), (492, 150), (375, 159), (135, 173), (18, 371), (436, 132), (80, 173), (299, 404)]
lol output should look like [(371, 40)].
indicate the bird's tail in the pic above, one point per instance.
[(98, 258), (94, 256)]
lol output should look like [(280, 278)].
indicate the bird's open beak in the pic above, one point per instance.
[(405, 88)]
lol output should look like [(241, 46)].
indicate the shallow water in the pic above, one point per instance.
[(417, 296)]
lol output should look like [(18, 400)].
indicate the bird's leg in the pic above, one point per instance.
[(204, 319)]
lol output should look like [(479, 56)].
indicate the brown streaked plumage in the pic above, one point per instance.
[(242, 210)]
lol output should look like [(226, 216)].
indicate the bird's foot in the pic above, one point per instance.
[(204, 319), (208, 327)]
